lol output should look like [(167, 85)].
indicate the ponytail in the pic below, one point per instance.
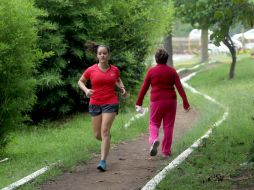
[(93, 46)]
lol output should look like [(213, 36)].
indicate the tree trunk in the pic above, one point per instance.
[(229, 43), (243, 40), (169, 47), (204, 45)]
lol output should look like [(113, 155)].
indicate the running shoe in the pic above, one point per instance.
[(153, 150), (102, 165)]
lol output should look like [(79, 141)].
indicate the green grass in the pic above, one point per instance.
[(71, 142), (67, 143), (222, 58), (217, 163)]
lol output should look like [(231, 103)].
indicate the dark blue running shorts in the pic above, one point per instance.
[(95, 110)]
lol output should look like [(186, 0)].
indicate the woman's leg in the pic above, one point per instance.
[(156, 115), (168, 126), (107, 121), (96, 122)]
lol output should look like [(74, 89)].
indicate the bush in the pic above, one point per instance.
[(17, 56), (129, 28)]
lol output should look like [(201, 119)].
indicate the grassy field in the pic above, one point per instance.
[(67, 143), (70, 142), (225, 160)]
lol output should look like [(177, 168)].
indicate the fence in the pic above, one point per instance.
[(184, 46)]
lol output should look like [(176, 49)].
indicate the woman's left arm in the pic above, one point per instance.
[(120, 85)]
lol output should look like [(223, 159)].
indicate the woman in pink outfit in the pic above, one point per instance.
[(163, 101)]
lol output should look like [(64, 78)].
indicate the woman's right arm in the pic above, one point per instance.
[(82, 85), (144, 89), (181, 91)]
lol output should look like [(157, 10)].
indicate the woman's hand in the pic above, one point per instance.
[(187, 108), (89, 92), (123, 92), (139, 109), (120, 85)]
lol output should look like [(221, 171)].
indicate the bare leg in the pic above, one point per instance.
[(96, 121), (107, 120)]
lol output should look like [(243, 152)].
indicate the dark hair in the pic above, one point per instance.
[(93, 46), (161, 56)]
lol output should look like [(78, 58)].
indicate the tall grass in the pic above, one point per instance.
[(217, 162)]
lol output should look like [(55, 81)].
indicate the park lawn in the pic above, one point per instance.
[(225, 58), (66, 143), (227, 156), (70, 142)]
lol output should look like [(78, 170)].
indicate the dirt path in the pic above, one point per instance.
[(129, 165)]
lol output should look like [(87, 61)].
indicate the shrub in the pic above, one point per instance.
[(129, 28), (17, 57)]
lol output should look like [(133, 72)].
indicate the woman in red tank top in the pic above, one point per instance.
[(103, 104)]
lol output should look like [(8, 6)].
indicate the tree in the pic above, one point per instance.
[(18, 55), (226, 14), (198, 14), (219, 15), (181, 29), (130, 28), (176, 29), (168, 44)]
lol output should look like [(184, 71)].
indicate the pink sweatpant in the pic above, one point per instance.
[(162, 111)]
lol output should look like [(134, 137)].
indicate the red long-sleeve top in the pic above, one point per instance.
[(162, 79)]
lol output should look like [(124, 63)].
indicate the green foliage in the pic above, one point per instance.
[(219, 16), (130, 28), (181, 29), (195, 12), (227, 14), (17, 57), (216, 15)]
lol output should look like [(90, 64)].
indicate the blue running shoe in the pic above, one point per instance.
[(153, 150), (102, 165)]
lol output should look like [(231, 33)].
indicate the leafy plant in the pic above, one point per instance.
[(18, 54), (129, 28)]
